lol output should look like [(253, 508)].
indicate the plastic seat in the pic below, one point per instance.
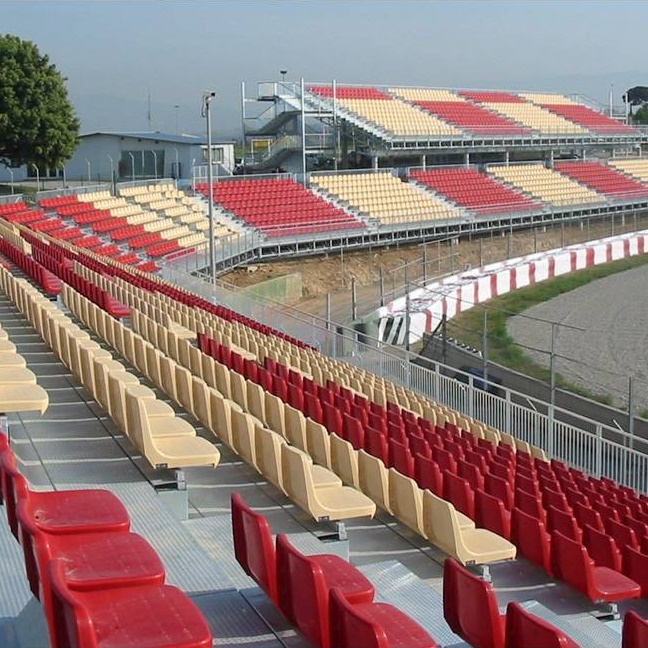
[(428, 475), (457, 490), (450, 531), (115, 618), (586, 515), (601, 548), (470, 607), (332, 503), (560, 520), (69, 511), (530, 503), (491, 514), (304, 583), (91, 561), (635, 631), (406, 500), (572, 564), (373, 625), (500, 488), (634, 565), (525, 630), (529, 535)]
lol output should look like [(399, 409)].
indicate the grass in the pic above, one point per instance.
[(502, 349)]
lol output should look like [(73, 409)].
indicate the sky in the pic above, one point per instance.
[(116, 54)]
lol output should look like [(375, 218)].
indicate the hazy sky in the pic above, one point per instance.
[(114, 52)]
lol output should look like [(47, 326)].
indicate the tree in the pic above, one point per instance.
[(637, 96), (38, 123), (641, 116)]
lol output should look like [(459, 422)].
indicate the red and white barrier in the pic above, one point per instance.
[(461, 292)]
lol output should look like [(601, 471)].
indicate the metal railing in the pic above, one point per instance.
[(588, 445)]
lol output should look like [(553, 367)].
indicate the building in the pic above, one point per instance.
[(123, 156)]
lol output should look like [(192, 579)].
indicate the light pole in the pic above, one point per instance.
[(132, 157), (12, 179), (37, 177), (207, 99), (89, 171), (177, 166), (112, 168), (177, 109), (154, 164), (64, 178)]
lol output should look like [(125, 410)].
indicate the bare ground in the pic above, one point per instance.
[(333, 273)]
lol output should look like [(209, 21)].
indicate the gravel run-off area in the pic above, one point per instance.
[(600, 335)]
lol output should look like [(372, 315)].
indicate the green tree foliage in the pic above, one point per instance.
[(37, 121), (637, 95), (641, 116)]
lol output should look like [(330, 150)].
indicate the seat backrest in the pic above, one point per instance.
[(458, 491), (623, 534), (499, 488), (428, 475), (14, 485), (302, 591), (529, 535), (451, 603), (71, 620), (243, 436), (406, 500), (559, 520), (297, 476), (601, 548), (253, 546), (344, 461), (268, 446), (479, 619), (439, 523), (635, 631), (35, 546), (349, 628), (530, 503), (525, 630), (635, 567), (374, 479), (587, 515), (490, 514), (571, 562), (275, 414), (319, 444)]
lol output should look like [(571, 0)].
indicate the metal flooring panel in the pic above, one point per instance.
[(188, 565), (397, 585), (234, 622), (14, 588)]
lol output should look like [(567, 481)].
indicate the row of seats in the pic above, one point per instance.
[(165, 439), (90, 601), (404, 112), (603, 179), (546, 185), (430, 516), (474, 190), (327, 598), (384, 197), (287, 209), (471, 609)]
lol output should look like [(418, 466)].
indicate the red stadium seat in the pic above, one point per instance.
[(635, 631), (304, 584), (470, 607), (525, 630), (373, 625), (115, 618), (528, 534), (572, 564)]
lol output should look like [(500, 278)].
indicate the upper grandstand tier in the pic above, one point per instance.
[(398, 113)]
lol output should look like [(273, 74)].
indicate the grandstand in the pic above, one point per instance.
[(407, 507)]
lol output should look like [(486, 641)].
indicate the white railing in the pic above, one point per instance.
[(589, 446)]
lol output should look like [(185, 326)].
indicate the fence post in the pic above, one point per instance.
[(382, 287), (354, 305), (599, 450)]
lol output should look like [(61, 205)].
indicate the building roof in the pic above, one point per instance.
[(158, 136)]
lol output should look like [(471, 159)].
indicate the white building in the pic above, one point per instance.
[(124, 156)]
